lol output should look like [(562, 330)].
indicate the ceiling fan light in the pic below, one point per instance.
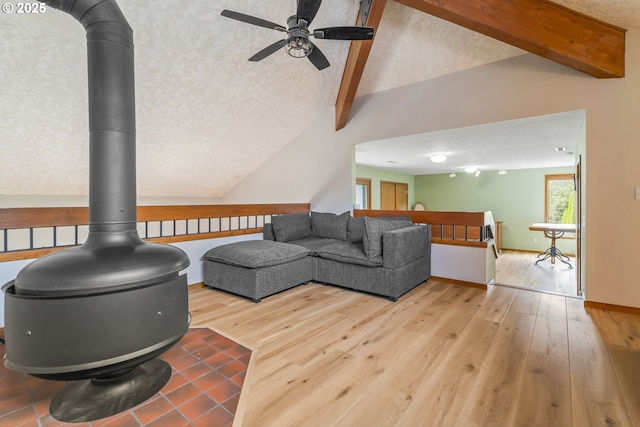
[(438, 158), (298, 47)]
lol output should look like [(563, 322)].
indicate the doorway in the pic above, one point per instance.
[(519, 268), (394, 195), (363, 193)]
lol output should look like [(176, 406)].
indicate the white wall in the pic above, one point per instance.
[(469, 264), (316, 166)]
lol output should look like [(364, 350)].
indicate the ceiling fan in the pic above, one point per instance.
[(297, 43)]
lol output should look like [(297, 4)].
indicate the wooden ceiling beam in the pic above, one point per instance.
[(356, 61), (541, 27)]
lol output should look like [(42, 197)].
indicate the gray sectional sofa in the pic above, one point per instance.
[(383, 256)]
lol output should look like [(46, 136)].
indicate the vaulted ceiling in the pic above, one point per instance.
[(206, 117)]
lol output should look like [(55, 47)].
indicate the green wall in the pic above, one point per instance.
[(377, 175), (516, 198)]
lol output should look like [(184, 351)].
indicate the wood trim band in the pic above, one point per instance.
[(476, 219), (29, 254), (13, 218), (165, 213), (612, 307), (460, 282), (471, 243)]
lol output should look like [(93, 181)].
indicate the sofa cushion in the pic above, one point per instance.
[(267, 232), (351, 253), (330, 225), (291, 226), (355, 229), (313, 243), (374, 228), (256, 253)]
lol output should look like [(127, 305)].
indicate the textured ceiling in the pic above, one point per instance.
[(206, 117), (514, 144)]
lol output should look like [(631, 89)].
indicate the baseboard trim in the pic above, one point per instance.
[(460, 282), (530, 251), (197, 285), (519, 250), (612, 307)]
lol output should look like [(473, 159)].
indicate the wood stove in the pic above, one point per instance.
[(98, 315)]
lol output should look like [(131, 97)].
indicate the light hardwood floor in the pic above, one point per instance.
[(515, 268), (443, 355)]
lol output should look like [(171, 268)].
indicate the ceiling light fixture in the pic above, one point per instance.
[(560, 149), (502, 172), (452, 175), (477, 173), (438, 158), (470, 169)]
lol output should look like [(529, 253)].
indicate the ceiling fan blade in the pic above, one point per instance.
[(307, 9), (252, 20), (268, 50), (344, 33), (317, 58)]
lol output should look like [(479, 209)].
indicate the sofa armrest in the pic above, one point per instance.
[(406, 245)]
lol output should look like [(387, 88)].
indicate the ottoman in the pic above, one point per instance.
[(257, 268)]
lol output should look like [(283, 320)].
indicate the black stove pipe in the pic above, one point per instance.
[(112, 126)]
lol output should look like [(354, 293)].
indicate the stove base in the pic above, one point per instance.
[(94, 399)]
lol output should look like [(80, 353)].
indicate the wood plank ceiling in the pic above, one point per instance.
[(541, 27)]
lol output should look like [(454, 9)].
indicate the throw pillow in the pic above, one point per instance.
[(330, 225), (355, 229), (374, 228), (289, 227)]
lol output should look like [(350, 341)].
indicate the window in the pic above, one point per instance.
[(363, 193), (559, 197)]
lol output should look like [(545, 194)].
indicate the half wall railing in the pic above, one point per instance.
[(27, 233), (449, 228)]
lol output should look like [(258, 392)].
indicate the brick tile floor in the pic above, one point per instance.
[(208, 371)]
